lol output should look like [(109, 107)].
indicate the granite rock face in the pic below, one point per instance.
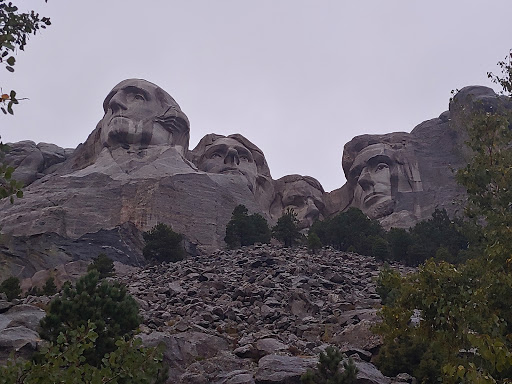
[(135, 170), (131, 173), (401, 178), (31, 161)]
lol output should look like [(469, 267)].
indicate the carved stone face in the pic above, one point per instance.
[(130, 112), (305, 200), (229, 156), (372, 169)]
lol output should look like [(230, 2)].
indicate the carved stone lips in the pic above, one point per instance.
[(231, 170), (116, 117), (373, 197)]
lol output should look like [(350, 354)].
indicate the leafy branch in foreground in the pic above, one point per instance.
[(64, 362), (15, 30)]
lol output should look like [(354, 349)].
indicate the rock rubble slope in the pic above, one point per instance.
[(259, 314)]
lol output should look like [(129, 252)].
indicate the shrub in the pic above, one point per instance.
[(286, 229), (163, 244), (327, 369), (314, 242), (108, 305), (348, 230), (11, 287), (103, 264), (244, 229), (64, 361), (49, 288)]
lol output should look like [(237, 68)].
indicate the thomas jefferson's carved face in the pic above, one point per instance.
[(130, 110), (305, 200), (229, 156), (372, 193)]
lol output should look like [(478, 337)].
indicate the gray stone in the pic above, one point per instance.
[(369, 374), (400, 178), (25, 315), (237, 377), (270, 345), (303, 194), (282, 369), (236, 155), (31, 161), (18, 339)]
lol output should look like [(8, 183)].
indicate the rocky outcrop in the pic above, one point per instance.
[(31, 161), (18, 331), (401, 178), (135, 170), (259, 314)]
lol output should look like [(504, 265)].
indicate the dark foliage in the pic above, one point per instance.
[(286, 229), (108, 305), (314, 242), (327, 370), (11, 287), (349, 230), (163, 244), (103, 264), (244, 229), (49, 288)]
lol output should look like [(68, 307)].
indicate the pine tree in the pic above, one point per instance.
[(286, 229)]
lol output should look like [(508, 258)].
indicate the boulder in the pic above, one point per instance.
[(20, 340), (276, 369)]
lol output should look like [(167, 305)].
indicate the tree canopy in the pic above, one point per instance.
[(462, 332)]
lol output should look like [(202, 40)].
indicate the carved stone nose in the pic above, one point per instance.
[(365, 180), (232, 157), (116, 103)]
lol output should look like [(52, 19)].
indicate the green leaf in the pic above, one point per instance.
[(11, 60)]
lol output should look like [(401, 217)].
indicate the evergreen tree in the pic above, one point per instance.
[(286, 229), (163, 244), (314, 242), (49, 288), (244, 229), (103, 264), (11, 287), (327, 370), (107, 305)]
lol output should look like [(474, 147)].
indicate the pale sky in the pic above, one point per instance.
[(298, 78)]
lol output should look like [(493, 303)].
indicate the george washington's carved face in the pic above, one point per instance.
[(372, 169), (130, 112)]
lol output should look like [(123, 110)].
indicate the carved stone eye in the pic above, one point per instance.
[(381, 166), (138, 96)]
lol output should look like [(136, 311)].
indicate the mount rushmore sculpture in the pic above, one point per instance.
[(135, 170)]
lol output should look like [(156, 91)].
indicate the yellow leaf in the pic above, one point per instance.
[(5, 96)]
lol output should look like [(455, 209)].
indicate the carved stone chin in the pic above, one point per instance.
[(381, 209)]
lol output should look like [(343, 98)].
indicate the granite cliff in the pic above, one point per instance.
[(135, 170)]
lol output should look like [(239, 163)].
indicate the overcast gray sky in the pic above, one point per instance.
[(298, 78)]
